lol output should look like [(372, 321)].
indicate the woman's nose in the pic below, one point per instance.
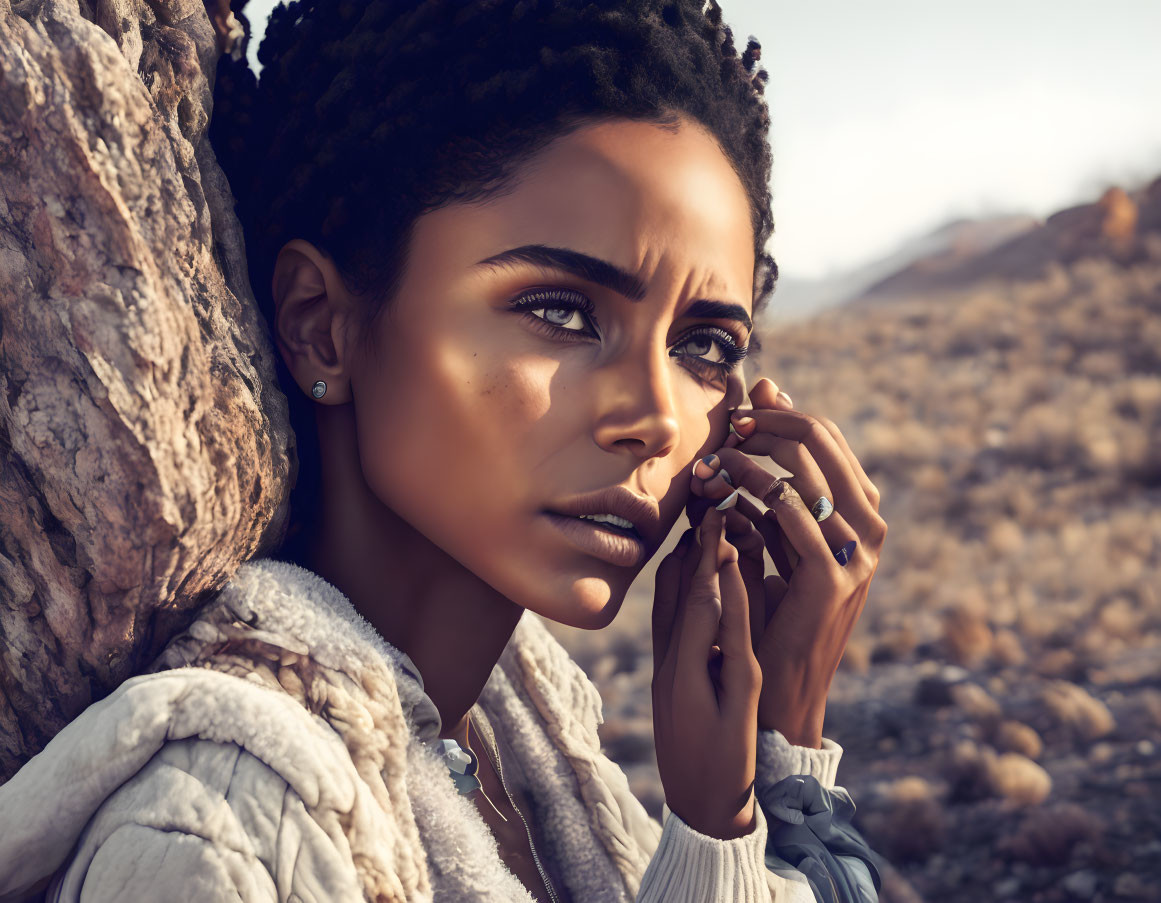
[(635, 405)]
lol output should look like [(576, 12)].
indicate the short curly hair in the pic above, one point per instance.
[(370, 113)]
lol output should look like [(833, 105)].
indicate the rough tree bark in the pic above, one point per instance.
[(145, 447)]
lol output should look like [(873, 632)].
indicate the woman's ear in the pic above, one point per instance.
[(311, 309)]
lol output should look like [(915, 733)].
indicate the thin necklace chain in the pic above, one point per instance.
[(468, 743), (493, 752)]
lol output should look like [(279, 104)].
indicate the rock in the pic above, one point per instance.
[(1013, 736), (1057, 663), (1018, 779), (1120, 217), (1119, 618), (967, 768), (857, 656), (1007, 649), (935, 689), (967, 638), (895, 645), (1047, 836), (1133, 887), (908, 821), (975, 702), (1082, 884), (1074, 708), (147, 447)]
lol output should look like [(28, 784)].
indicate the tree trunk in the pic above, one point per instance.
[(145, 447)]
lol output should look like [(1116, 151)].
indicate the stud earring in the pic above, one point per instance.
[(319, 389)]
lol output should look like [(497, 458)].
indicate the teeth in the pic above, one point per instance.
[(609, 519)]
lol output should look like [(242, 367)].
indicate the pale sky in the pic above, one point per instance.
[(891, 117)]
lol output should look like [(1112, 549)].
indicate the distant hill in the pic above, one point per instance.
[(1117, 227), (796, 299)]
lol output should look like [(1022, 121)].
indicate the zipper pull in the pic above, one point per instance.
[(464, 767)]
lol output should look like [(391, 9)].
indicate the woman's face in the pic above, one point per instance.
[(476, 419)]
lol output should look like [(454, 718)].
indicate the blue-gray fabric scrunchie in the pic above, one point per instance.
[(809, 831)]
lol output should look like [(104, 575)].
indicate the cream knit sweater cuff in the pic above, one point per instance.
[(690, 867)]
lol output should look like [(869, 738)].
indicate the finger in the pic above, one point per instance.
[(740, 679), (800, 527), (744, 536), (775, 541), (869, 488), (701, 616), (665, 586), (805, 475), (775, 592), (688, 565), (766, 394), (834, 466), (696, 508), (781, 551)]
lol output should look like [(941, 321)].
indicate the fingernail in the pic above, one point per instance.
[(729, 501), (843, 555), (741, 420), (705, 468), (785, 399), (712, 486)]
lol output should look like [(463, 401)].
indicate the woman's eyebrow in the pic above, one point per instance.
[(605, 274)]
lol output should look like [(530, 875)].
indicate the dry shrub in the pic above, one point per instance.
[(1047, 835), (975, 702), (1015, 736), (1018, 779), (1076, 709), (908, 822), (967, 638), (1119, 618), (1007, 649)]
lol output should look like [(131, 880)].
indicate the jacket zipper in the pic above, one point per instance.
[(495, 759)]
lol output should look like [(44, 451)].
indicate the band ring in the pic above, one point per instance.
[(822, 509), (843, 555)]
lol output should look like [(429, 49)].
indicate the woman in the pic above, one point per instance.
[(515, 252)]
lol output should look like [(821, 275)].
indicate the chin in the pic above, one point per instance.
[(589, 603)]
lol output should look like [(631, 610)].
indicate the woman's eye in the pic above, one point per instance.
[(701, 345), (563, 317), (572, 313)]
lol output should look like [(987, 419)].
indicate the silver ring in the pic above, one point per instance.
[(822, 509)]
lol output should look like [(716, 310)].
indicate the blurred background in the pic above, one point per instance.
[(968, 211)]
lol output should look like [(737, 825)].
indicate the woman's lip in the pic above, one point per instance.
[(615, 548)]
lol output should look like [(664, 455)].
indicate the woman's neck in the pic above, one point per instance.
[(452, 624)]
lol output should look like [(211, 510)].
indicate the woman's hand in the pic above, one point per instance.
[(705, 696), (812, 606)]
